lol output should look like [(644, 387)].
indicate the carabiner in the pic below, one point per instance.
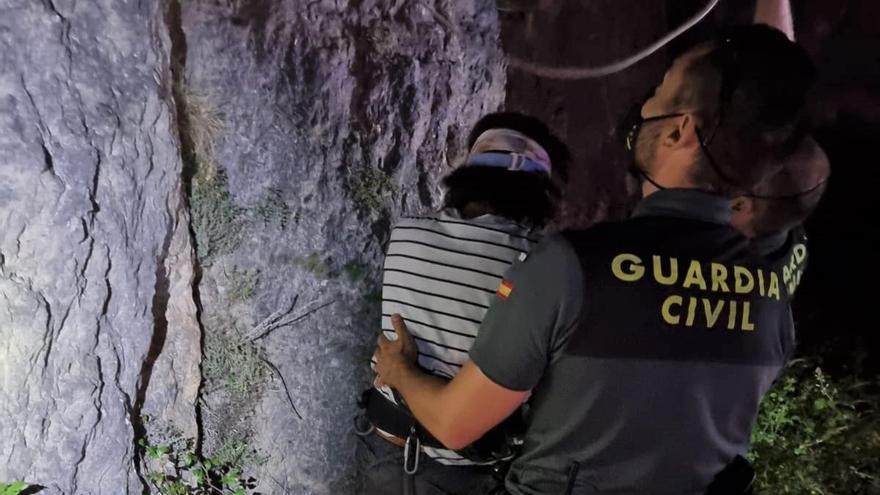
[(408, 450)]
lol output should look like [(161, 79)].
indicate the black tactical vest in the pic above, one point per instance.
[(663, 288), (682, 331)]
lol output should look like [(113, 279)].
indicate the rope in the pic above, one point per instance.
[(573, 73)]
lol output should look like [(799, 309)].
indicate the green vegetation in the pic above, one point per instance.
[(235, 363), (178, 469), (370, 188), (14, 488), (356, 270), (233, 452), (317, 265), (817, 436), (242, 285), (217, 222), (235, 373), (271, 209)]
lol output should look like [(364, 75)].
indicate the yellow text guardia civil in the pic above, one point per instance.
[(711, 277)]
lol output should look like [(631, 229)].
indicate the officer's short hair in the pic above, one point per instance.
[(750, 87), (527, 197)]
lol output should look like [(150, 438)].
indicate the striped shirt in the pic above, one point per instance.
[(441, 273)]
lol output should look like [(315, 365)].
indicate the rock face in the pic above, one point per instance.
[(95, 263), (332, 119), (194, 198)]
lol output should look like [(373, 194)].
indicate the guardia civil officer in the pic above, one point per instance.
[(643, 347)]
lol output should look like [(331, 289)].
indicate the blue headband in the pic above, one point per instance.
[(509, 161)]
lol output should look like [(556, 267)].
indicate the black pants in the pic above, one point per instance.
[(380, 466)]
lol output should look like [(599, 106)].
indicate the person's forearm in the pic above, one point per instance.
[(776, 13), (424, 395)]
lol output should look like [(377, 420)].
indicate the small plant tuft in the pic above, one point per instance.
[(235, 364), (370, 188), (217, 222), (178, 469), (356, 270), (14, 488), (317, 265), (272, 209), (242, 285)]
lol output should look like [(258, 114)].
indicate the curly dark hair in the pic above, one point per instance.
[(525, 197)]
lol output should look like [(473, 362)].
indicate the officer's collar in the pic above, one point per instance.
[(685, 203)]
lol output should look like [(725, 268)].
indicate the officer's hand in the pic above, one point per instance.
[(395, 357)]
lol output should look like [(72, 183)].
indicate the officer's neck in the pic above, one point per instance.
[(671, 176), (648, 188)]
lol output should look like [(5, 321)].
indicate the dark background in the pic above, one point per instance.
[(835, 305)]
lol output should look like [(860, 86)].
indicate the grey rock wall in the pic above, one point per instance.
[(94, 247), (335, 117)]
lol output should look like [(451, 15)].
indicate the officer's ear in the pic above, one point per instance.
[(742, 205), (683, 134), (742, 215)]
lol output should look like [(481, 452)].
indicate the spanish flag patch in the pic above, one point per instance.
[(504, 289)]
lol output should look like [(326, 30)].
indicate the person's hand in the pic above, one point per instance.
[(395, 357)]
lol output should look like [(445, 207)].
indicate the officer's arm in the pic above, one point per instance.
[(520, 333), (776, 13), (460, 411)]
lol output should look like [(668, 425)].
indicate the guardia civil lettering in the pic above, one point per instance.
[(712, 310)]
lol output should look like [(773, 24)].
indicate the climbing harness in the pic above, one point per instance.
[(500, 444)]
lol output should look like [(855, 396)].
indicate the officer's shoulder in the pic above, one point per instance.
[(553, 265), (552, 250)]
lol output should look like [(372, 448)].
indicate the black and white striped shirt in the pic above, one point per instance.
[(441, 273)]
